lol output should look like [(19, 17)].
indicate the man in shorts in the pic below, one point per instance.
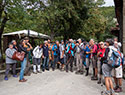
[(117, 73), (107, 69)]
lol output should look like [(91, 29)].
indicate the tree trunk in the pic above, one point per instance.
[(119, 15), (52, 36), (3, 23), (2, 28), (1, 8), (124, 27)]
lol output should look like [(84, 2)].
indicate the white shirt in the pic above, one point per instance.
[(61, 48), (37, 52)]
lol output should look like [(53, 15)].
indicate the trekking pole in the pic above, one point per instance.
[(69, 60)]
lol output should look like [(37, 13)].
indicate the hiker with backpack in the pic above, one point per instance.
[(56, 55), (79, 58), (107, 68), (117, 72), (81, 46), (94, 59), (87, 53), (70, 55), (100, 55)]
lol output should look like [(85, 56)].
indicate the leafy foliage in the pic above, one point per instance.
[(61, 19)]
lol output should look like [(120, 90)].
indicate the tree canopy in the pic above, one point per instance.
[(58, 18)]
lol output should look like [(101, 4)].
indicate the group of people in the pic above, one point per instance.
[(68, 55), (25, 47)]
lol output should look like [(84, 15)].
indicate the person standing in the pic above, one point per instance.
[(9, 61), (87, 52), (29, 56), (45, 56), (81, 47), (23, 48), (55, 53), (117, 72), (78, 59), (70, 55), (37, 55), (50, 45), (94, 60), (107, 69), (62, 54), (75, 65), (100, 55)]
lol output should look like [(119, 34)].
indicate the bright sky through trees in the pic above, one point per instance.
[(109, 3)]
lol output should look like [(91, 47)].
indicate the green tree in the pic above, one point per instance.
[(59, 18)]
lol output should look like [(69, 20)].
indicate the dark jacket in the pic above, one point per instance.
[(15, 47), (45, 51), (21, 48)]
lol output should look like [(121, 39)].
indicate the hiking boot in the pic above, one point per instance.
[(43, 70), (28, 74), (39, 71), (107, 93), (53, 69), (118, 90), (15, 76), (86, 74), (6, 78), (47, 69), (35, 72), (77, 72), (99, 82), (81, 72), (71, 70), (112, 92), (67, 71), (23, 80), (94, 78)]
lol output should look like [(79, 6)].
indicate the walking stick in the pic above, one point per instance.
[(69, 60)]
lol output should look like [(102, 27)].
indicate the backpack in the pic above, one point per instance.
[(115, 59), (122, 58)]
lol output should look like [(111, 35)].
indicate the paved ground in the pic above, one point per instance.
[(51, 83)]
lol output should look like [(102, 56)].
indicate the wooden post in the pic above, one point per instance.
[(124, 27)]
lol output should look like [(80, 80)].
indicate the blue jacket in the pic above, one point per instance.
[(73, 46), (55, 49), (87, 50)]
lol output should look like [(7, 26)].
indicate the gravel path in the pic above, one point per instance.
[(52, 83)]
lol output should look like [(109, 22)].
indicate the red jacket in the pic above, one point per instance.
[(102, 51)]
